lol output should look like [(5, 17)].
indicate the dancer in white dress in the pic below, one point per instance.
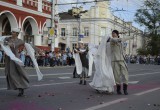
[(103, 79)]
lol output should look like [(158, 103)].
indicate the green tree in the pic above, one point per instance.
[(142, 51), (149, 16)]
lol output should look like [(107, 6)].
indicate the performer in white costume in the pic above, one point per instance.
[(81, 61), (17, 77), (103, 79)]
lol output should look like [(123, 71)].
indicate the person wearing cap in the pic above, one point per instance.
[(119, 66), (17, 77), (82, 51)]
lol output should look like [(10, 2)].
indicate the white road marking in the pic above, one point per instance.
[(144, 74), (3, 89), (2, 77), (106, 104), (53, 84), (64, 77), (41, 85), (147, 91), (50, 84), (55, 67), (133, 82), (59, 74)]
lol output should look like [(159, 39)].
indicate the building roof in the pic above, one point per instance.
[(66, 16)]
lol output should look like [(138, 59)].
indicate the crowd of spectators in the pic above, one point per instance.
[(61, 58), (142, 59), (64, 58), (45, 58)]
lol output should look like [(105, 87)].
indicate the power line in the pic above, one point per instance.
[(95, 1)]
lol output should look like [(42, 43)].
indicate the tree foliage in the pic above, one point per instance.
[(149, 16), (142, 51)]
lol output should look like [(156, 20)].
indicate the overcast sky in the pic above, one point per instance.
[(130, 7)]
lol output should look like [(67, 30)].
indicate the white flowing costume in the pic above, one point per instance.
[(30, 51), (103, 79), (78, 63)]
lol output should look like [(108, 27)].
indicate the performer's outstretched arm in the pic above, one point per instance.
[(119, 39)]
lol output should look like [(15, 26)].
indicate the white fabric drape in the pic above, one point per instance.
[(78, 63), (92, 51), (103, 79), (31, 53)]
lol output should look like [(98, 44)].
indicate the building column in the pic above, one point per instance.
[(69, 43), (56, 42), (37, 40), (92, 33)]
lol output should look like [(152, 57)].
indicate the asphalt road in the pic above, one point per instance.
[(59, 91)]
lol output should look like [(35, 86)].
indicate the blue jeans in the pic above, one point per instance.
[(64, 62)]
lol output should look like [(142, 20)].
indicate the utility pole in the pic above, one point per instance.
[(53, 13), (94, 23), (79, 39), (53, 25)]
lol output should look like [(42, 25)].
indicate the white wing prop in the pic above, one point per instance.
[(92, 52), (9, 53), (31, 53), (103, 78), (78, 63)]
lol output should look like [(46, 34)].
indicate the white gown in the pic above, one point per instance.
[(103, 79)]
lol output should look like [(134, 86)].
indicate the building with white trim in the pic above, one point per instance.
[(28, 15), (95, 23)]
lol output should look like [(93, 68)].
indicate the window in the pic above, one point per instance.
[(103, 31), (49, 8), (31, 3), (63, 32), (43, 5), (74, 45), (75, 32), (35, 3), (86, 31), (27, 2), (46, 7), (29, 39)]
